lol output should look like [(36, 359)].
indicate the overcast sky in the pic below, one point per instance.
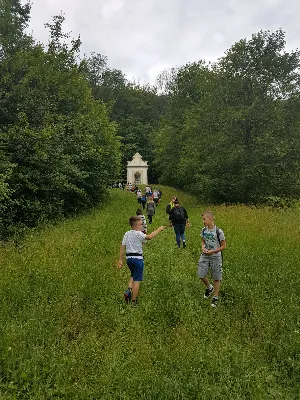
[(144, 37)]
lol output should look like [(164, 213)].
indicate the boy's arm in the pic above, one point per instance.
[(122, 251), (204, 250), (154, 233)]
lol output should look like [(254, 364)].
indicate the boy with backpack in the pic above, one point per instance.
[(213, 242), (179, 219)]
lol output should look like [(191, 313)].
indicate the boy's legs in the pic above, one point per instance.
[(130, 283), (203, 266), (217, 285), (216, 269), (205, 281), (135, 290), (136, 267)]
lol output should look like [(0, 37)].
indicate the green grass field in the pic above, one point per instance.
[(66, 333)]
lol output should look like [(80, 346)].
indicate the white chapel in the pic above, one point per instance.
[(137, 170)]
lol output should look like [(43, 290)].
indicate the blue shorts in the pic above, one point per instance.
[(136, 266)]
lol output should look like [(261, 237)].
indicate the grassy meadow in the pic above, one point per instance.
[(67, 334)]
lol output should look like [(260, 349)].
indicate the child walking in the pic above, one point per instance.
[(139, 213), (132, 243), (213, 242), (150, 209)]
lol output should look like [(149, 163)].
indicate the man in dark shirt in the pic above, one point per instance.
[(179, 219)]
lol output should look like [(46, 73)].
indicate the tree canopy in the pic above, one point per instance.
[(232, 125), (226, 131), (59, 149)]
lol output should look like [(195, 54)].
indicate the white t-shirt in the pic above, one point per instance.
[(133, 240)]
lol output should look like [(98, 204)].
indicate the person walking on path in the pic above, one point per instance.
[(139, 195), (150, 209), (144, 200), (213, 242), (132, 244), (179, 219), (171, 204), (139, 213), (156, 197)]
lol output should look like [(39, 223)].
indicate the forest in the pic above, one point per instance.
[(226, 132)]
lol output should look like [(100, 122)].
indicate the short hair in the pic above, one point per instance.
[(208, 213), (176, 201), (134, 219), (139, 211)]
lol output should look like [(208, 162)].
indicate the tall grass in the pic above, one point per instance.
[(66, 333)]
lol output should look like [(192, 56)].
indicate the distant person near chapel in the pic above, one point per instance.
[(132, 244), (179, 219), (213, 242), (139, 195), (150, 209)]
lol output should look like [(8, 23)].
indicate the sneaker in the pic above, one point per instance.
[(208, 292), (214, 302), (183, 243), (134, 303), (127, 295)]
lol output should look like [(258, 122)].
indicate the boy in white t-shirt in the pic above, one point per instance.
[(133, 244)]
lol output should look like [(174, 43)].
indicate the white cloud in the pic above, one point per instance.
[(142, 37)]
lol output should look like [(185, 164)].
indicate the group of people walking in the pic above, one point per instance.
[(212, 244), (149, 200)]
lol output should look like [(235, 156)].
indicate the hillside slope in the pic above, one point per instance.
[(66, 333)]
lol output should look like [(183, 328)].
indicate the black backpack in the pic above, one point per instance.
[(178, 214)]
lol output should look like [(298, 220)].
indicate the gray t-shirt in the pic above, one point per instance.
[(211, 238)]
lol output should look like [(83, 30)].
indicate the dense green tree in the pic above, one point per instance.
[(232, 126), (14, 18), (136, 109), (60, 151)]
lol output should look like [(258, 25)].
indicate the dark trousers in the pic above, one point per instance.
[(179, 230)]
